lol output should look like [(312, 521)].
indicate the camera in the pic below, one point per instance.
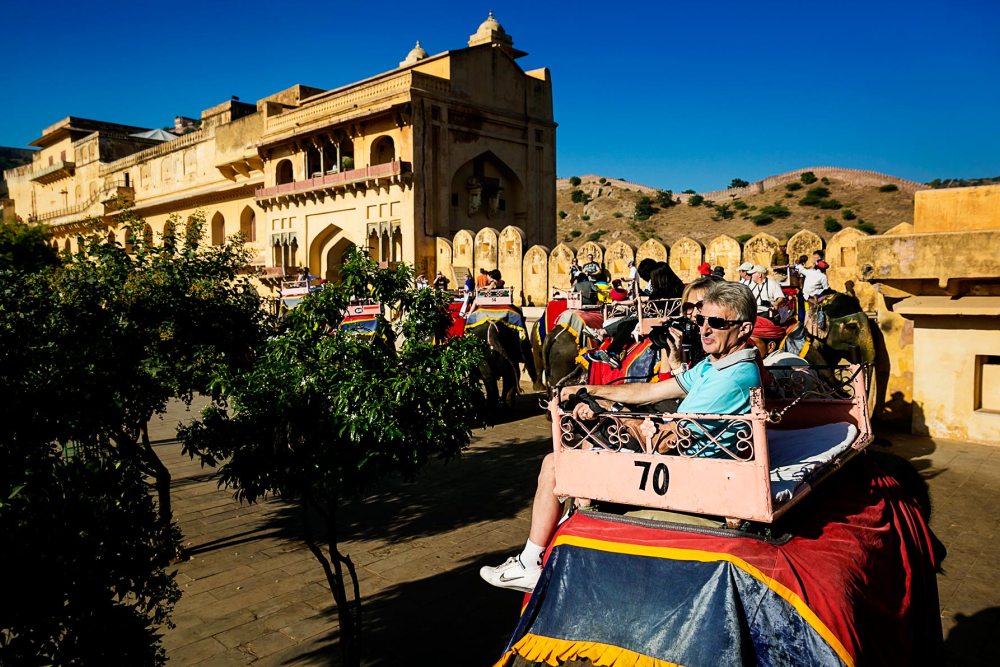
[(691, 350)]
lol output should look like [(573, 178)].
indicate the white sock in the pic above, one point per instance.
[(531, 557)]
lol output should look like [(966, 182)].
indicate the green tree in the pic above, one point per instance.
[(696, 200), (723, 212), (26, 247), (888, 187), (151, 324), (807, 177), (832, 225), (644, 209), (793, 186), (83, 545), (579, 197), (321, 416), (738, 183), (574, 181)]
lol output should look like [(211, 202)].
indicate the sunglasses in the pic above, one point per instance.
[(718, 323), (687, 305)]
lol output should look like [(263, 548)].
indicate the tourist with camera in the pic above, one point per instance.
[(719, 384)]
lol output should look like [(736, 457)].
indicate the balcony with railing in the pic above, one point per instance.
[(54, 172), (342, 181)]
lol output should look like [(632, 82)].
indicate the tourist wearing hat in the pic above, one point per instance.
[(704, 269), (744, 273), (766, 291), (719, 271)]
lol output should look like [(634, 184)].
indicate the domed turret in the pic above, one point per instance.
[(491, 32), (415, 55)]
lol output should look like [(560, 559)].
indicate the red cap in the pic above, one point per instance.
[(822, 266), (705, 268)]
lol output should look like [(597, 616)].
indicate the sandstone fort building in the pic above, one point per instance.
[(461, 140)]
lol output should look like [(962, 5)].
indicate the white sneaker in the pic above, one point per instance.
[(512, 574)]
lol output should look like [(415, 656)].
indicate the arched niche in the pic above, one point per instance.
[(486, 247), (761, 250), (617, 258), (462, 250), (685, 256), (383, 150), (724, 251), (651, 249), (248, 224), (535, 272), (218, 227), (805, 243), (485, 192), (560, 260), (510, 259), (443, 252)]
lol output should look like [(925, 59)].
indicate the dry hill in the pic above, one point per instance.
[(604, 209)]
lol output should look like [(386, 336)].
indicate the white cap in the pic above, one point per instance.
[(746, 266)]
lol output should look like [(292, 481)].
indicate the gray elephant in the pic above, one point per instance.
[(506, 353)]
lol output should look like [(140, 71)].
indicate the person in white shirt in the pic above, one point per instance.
[(766, 291), (814, 281)]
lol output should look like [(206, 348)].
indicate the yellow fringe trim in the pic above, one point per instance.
[(535, 648)]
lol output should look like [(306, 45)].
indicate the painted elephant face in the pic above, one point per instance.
[(846, 326)]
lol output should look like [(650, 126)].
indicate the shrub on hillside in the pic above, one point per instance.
[(617, 214), (723, 212), (888, 187), (807, 177), (665, 198), (562, 215), (739, 205), (831, 225), (738, 183), (762, 219), (848, 214), (793, 186), (696, 200), (574, 233), (579, 197), (866, 227), (574, 181), (644, 208), (830, 204), (818, 191), (776, 211), (585, 217), (743, 238), (789, 195), (603, 180), (825, 180), (596, 236)]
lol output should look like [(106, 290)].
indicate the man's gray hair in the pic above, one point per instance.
[(737, 297)]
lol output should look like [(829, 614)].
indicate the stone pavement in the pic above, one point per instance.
[(252, 592)]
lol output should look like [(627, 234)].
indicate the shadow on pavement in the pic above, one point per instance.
[(451, 618), (968, 641)]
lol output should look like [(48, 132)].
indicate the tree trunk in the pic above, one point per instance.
[(333, 563), (162, 477)]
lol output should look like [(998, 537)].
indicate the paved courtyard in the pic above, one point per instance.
[(252, 592)]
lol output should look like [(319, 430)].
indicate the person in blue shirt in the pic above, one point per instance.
[(719, 384)]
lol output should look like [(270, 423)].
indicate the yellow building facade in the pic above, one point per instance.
[(461, 140), (939, 282)]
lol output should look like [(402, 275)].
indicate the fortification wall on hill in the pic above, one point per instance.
[(857, 177)]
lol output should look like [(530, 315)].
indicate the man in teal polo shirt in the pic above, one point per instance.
[(719, 384)]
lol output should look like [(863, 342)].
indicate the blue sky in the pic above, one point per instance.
[(674, 95)]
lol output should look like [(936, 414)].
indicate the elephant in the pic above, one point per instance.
[(836, 329), (506, 353)]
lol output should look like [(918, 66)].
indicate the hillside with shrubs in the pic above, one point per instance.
[(603, 209)]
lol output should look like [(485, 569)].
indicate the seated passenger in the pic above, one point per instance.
[(618, 291), (582, 284), (719, 384), (790, 370)]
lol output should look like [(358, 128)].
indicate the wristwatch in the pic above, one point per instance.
[(680, 369)]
